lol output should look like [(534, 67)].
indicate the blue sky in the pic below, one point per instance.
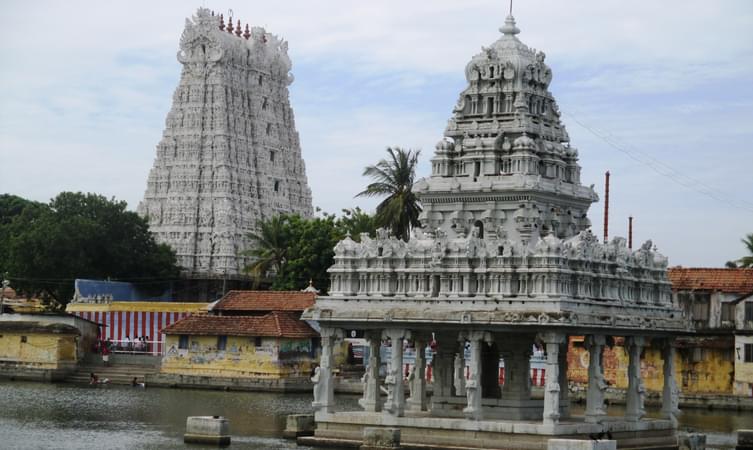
[(85, 87)]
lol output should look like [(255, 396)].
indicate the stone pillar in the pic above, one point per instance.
[(443, 360), (670, 398), (517, 371), (634, 402), (564, 387), (323, 379), (597, 385), (370, 380), (473, 409), (458, 370), (552, 342), (395, 403), (417, 377)]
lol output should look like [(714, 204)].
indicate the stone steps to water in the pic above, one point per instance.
[(116, 374)]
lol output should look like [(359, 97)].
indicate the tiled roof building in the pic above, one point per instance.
[(274, 324), (738, 281), (255, 302)]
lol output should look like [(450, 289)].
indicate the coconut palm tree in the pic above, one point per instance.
[(393, 178), (269, 248), (747, 261)]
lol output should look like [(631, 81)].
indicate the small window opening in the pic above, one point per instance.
[(380, 251), (477, 168), (748, 311), (221, 342), (748, 353), (491, 72), (260, 80), (277, 186), (257, 341), (272, 155), (23, 339), (183, 341), (269, 128), (264, 103)]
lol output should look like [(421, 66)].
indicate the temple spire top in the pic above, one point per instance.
[(509, 28)]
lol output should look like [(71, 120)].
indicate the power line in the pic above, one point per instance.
[(662, 168)]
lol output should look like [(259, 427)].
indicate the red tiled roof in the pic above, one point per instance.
[(737, 281), (265, 301), (276, 324)]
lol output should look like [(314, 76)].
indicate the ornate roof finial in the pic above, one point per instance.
[(238, 31), (222, 23), (247, 33), (230, 25), (509, 28), (311, 288)]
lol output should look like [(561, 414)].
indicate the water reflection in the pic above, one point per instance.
[(65, 416), (72, 416)]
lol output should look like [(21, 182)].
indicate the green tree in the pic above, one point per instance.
[(269, 248), (747, 260), (354, 222), (290, 250), (310, 253), (15, 215), (83, 236), (393, 178)]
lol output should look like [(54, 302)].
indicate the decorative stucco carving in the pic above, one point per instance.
[(229, 155), (505, 218)]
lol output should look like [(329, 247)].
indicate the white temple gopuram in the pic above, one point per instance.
[(503, 259), (230, 155)]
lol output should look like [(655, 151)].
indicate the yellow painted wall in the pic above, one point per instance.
[(712, 375), (46, 351), (275, 358)]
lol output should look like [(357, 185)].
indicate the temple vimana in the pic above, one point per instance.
[(229, 155), (504, 260)]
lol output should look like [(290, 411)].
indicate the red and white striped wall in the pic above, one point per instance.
[(119, 324)]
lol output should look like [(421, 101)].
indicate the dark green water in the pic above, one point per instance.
[(68, 416)]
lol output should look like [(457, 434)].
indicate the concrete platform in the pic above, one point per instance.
[(421, 431)]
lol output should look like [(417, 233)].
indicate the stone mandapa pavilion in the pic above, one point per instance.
[(503, 259)]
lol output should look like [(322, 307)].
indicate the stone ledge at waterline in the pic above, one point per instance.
[(579, 444), (214, 430), (229, 383), (298, 425)]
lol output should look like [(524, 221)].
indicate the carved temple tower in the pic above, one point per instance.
[(230, 155), (503, 260), (505, 165)]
